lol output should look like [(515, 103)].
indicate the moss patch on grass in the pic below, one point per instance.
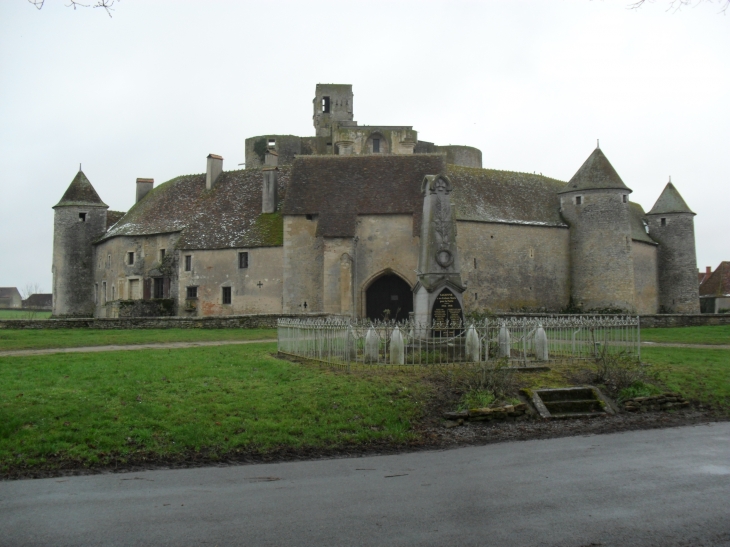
[(94, 409), (72, 338)]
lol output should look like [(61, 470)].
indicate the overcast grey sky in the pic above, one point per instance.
[(533, 84)]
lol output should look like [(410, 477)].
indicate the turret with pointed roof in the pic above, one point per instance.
[(79, 219), (596, 206), (671, 224)]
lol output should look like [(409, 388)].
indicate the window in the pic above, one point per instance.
[(625, 198), (96, 293), (108, 261), (325, 105), (475, 263), (130, 258), (532, 252), (578, 200), (188, 263), (103, 292), (159, 288), (376, 146), (133, 289), (309, 217), (192, 292), (162, 255), (243, 260), (272, 143), (226, 295), (114, 296), (664, 222), (82, 217)]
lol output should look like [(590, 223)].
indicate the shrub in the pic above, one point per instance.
[(619, 371), (638, 389)]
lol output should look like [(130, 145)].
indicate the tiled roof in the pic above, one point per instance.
[(638, 229), (8, 292), (670, 202), (718, 284), (228, 216), (488, 195), (338, 188), (596, 173), (80, 192), (112, 217), (42, 300)]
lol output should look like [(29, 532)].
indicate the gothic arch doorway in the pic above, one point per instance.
[(388, 297)]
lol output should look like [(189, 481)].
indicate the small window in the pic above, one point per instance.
[(325, 105), (159, 288), (376, 146), (475, 263), (625, 197), (114, 297), (532, 252), (103, 292), (192, 292), (82, 217), (272, 143), (578, 200), (162, 255), (664, 222), (96, 293), (130, 258), (243, 260), (309, 217), (226, 295), (188, 263), (108, 261)]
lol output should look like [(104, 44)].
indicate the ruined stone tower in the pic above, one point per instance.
[(671, 224), (596, 206), (332, 103), (79, 218)]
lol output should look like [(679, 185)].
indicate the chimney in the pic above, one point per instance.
[(213, 171), (708, 270), (271, 159), (268, 194), (143, 188)]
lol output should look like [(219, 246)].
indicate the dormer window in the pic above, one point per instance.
[(272, 143), (82, 217), (325, 105)]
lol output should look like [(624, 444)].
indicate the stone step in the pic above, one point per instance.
[(567, 394), (584, 405)]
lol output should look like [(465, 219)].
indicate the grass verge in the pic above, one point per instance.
[(84, 410), (72, 338), (24, 314), (715, 334)]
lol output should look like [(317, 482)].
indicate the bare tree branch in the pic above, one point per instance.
[(106, 4), (676, 5)]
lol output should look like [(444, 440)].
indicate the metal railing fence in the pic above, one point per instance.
[(521, 340)]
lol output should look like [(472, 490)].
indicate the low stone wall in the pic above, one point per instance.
[(684, 320), (253, 321), (508, 413), (656, 402)]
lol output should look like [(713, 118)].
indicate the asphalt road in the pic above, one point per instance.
[(661, 488)]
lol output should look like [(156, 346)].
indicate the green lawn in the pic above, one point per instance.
[(69, 338), (96, 408), (24, 314), (700, 374), (719, 334)]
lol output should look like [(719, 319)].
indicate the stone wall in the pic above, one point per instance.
[(510, 267), (286, 146), (254, 321), (645, 277), (303, 265), (466, 156), (684, 320)]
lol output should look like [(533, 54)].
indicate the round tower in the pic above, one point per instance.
[(671, 224), (79, 218), (596, 206)]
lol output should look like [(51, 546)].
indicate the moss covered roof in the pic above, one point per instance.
[(670, 202), (596, 173), (638, 228), (228, 216), (718, 283), (80, 192)]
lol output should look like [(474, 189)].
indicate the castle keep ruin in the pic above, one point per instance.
[(368, 221)]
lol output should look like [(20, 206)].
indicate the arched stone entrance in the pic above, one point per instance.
[(388, 297)]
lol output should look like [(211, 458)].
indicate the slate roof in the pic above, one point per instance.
[(338, 188), (670, 202), (9, 292), (638, 229), (228, 216), (488, 195), (80, 192), (718, 283), (596, 173), (112, 217)]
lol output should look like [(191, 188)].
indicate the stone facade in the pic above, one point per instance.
[(367, 221)]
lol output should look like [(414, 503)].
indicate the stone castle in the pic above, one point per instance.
[(368, 221)]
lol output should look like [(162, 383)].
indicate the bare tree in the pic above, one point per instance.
[(106, 4), (29, 289), (676, 5)]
